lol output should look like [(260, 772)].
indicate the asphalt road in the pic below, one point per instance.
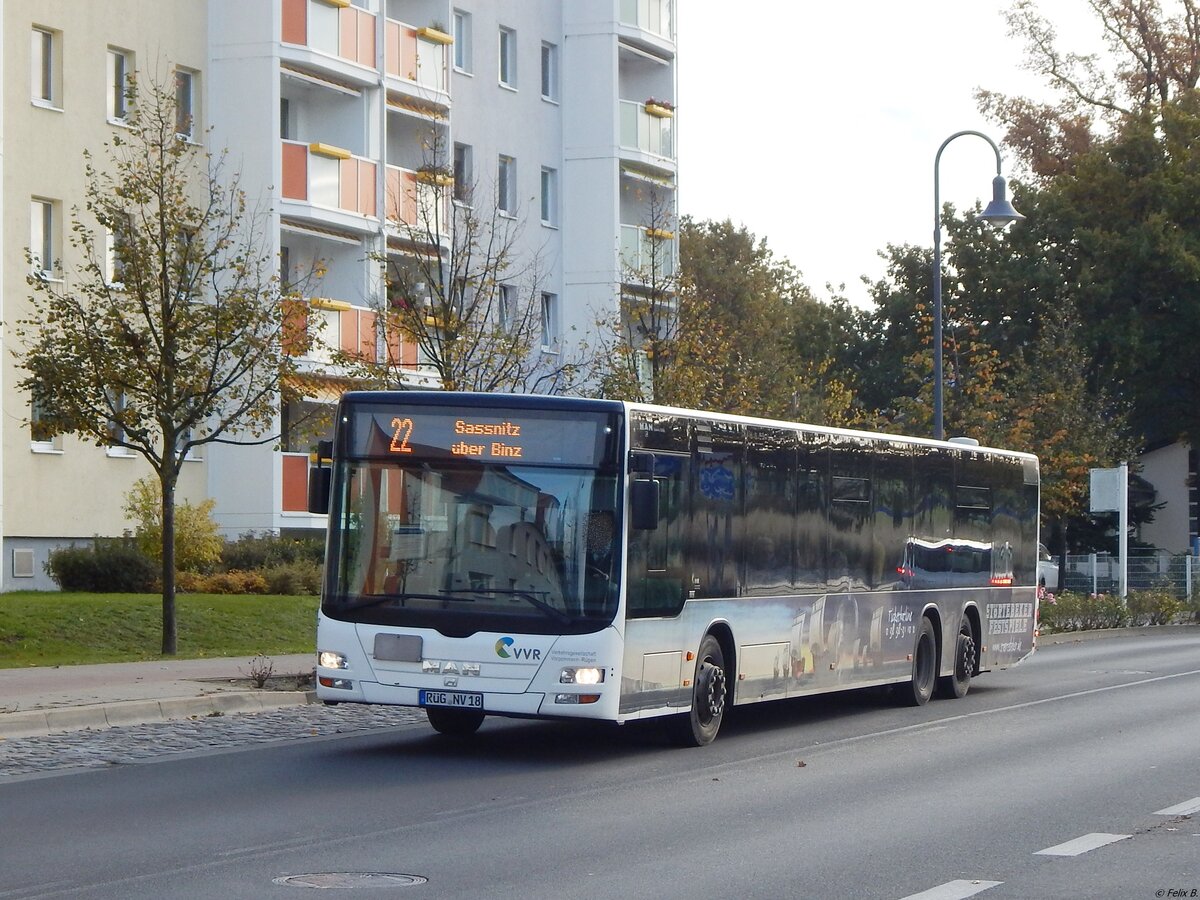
[(1089, 751)]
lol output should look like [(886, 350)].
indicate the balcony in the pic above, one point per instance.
[(295, 482), (647, 255), (418, 204), (418, 58), (649, 23), (649, 15), (330, 36), (318, 327), (329, 179), (649, 133)]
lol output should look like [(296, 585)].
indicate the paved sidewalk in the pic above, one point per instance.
[(46, 700), (58, 699)]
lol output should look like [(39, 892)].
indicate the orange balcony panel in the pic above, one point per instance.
[(400, 50), (295, 327), (366, 188), (295, 22), (295, 171), (366, 335), (357, 186), (401, 196), (295, 483), (356, 36)]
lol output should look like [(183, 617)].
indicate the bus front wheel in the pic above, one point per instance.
[(454, 722), (924, 671), (710, 694)]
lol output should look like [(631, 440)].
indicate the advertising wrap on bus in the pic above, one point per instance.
[(555, 557)]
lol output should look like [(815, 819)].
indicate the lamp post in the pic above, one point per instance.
[(999, 212)]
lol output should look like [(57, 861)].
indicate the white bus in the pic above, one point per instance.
[(550, 557)]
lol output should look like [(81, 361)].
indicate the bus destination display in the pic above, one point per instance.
[(481, 435)]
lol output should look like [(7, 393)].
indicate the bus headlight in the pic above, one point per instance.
[(581, 675), (327, 659)]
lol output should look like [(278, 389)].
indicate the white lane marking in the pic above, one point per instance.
[(954, 890), (1083, 844), (1186, 808)]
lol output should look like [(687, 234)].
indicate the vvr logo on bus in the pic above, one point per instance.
[(506, 650)]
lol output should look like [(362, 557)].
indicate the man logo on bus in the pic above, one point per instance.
[(505, 644)]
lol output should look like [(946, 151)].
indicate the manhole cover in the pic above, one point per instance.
[(350, 880)]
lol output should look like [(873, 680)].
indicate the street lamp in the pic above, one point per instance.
[(998, 212)]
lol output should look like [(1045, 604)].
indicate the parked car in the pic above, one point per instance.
[(1047, 569)]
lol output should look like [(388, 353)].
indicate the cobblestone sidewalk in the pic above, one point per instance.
[(134, 743)]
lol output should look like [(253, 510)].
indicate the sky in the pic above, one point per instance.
[(815, 124)]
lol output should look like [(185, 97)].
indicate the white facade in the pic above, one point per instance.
[(539, 105), (326, 109), (57, 89)]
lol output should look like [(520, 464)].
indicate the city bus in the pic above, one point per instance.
[(566, 558)]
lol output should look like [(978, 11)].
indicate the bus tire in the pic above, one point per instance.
[(454, 722), (955, 686), (924, 671), (710, 695)]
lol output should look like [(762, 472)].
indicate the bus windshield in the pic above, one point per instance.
[(432, 537)]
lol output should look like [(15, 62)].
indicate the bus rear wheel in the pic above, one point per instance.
[(710, 694), (955, 686), (924, 672), (454, 722)]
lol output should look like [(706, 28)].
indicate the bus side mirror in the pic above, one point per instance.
[(319, 479), (643, 504)]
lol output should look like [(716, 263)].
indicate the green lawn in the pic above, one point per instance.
[(52, 629)]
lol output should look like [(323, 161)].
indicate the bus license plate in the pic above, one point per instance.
[(466, 699)]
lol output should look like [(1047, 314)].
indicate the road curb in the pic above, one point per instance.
[(97, 716), (1077, 637)]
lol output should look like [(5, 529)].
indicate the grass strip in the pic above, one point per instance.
[(58, 629)]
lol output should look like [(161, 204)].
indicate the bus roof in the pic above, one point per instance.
[(481, 400)]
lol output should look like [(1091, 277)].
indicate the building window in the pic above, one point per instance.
[(506, 186), (285, 119), (120, 66), (185, 103), (549, 196), (549, 72), (463, 173), (506, 314), (44, 432), (41, 237), (462, 41), (549, 321), (508, 57), (44, 68), (116, 430), (116, 240)]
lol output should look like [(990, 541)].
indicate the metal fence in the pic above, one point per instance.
[(1099, 573)]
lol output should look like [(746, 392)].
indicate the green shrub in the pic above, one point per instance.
[(109, 565), (1071, 611), (1157, 606), (262, 551), (198, 541), (295, 579), (234, 583)]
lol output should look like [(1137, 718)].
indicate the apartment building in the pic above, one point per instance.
[(360, 116), (343, 120), (62, 80)]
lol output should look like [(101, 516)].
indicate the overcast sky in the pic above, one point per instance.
[(816, 124)]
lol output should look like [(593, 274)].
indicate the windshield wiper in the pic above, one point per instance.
[(392, 598), (530, 598)]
